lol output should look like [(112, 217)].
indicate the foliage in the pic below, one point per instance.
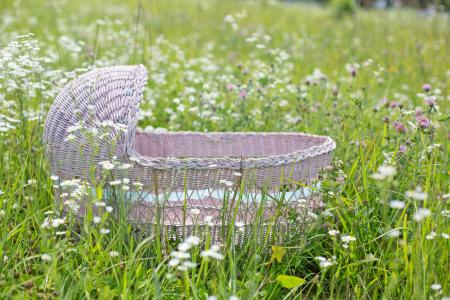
[(344, 7)]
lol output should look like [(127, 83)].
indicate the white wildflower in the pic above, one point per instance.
[(421, 214), (393, 233), (46, 257), (445, 213), (384, 172), (104, 230), (239, 224), (180, 255), (397, 204), (115, 182), (125, 166), (182, 268), (193, 240), (73, 128), (113, 253), (227, 183), (107, 165), (213, 252), (195, 211), (209, 220), (70, 138), (73, 205), (347, 238), (174, 262), (431, 235), (58, 221), (325, 262), (138, 185), (333, 232), (436, 286), (189, 264), (417, 194), (312, 215), (327, 213)]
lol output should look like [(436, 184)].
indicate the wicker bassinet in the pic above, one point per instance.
[(186, 179)]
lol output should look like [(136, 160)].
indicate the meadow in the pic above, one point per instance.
[(376, 82)]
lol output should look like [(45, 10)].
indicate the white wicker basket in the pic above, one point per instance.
[(184, 176)]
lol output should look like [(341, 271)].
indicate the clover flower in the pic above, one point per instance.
[(423, 121), (426, 87), (399, 127)]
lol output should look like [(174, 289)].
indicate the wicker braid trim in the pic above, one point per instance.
[(324, 145)]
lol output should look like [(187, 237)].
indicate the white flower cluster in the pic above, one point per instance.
[(181, 257), (52, 222), (213, 252), (21, 66), (324, 262), (384, 172)]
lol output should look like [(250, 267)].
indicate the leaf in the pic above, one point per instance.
[(277, 253), (99, 192), (290, 282)]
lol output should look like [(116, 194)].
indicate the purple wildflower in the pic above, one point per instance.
[(399, 127), (430, 101), (243, 94), (426, 87), (395, 104), (423, 121)]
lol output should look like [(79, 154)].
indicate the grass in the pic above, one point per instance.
[(268, 67)]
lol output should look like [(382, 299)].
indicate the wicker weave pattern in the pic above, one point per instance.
[(172, 161)]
